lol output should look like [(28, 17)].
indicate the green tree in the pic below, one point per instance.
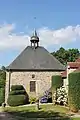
[(3, 68), (65, 56), (2, 84), (73, 54)]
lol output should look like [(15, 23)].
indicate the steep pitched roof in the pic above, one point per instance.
[(35, 59), (73, 65)]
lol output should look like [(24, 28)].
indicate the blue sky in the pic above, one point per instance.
[(57, 23)]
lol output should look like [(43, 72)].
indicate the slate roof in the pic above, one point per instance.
[(35, 59), (72, 65)]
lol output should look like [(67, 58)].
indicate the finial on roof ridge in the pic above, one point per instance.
[(35, 33)]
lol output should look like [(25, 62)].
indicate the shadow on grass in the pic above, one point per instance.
[(43, 115)]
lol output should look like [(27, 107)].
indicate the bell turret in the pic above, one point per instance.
[(34, 40)]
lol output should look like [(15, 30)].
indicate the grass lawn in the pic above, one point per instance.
[(46, 112)]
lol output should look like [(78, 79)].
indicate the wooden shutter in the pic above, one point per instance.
[(32, 86)]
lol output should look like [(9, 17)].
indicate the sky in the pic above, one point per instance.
[(57, 23)]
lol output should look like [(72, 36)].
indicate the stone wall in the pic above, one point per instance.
[(43, 81)]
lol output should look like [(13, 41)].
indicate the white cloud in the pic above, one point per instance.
[(60, 36), (10, 40)]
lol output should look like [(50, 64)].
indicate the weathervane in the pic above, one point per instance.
[(34, 39), (34, 24)]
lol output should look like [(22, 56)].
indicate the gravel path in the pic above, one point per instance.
[(5, 116), (8, 116), (75, 116)]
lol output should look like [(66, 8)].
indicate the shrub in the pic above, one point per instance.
[(57, 82), (2, 83), (17, 96), (17, 92), (62, 96), (74, 91), (17, 87), (2, 95), (16, 100), (32, 100)]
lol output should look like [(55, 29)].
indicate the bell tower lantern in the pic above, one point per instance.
[(34, 40)]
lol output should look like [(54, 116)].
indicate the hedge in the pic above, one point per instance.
[(2, 79), (2, 75), (2, 83), (17, 92), (2, 95), (2, 86), (17, 96), (17, 87), (57, 81), (74, 91), (16, 100)]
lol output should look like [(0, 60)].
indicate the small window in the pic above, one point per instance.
[(33, 76), (32, 86)]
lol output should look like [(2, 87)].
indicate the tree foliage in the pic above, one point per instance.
[(65, 56), (2, 85), (2, 94), (2, 78), (3, 68), (2, 74)]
